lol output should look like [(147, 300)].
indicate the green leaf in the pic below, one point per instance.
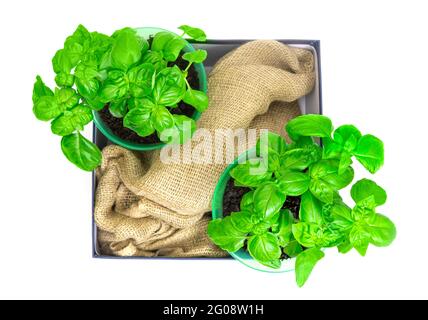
[(305, 263), (242, 221), (61, 62), (66, 97), (118, 108), (197, 99), (310, 125), (251, 173), (161, 39), (194, 33), (141, 79), (81, 152), (115, 87), (161, 118), (345, 162), (64, 80), (325, 177), (347, 135), (197, 56), (139, 119), (169, 87), (173, 48), (270, 143), (370, 153), (155, 59), (299, 159), (225, 235), (365, 188), (345, 247), (127, 49), (41, 90), (182, 130), (46, 108), (86, 80), (264, 247), (283, 229), (293, 183), (247, 201), (268, 200), (360, 239), (72, 120), (310, 209), (382, 230), (307, 234), (322, 190), (293, 249), (342, 217)]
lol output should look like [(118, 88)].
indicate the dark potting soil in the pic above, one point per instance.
[(232, 199), (116, 124)]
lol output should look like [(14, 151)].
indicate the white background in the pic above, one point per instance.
[(374, 72)]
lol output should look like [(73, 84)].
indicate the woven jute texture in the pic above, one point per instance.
[(145, 207)]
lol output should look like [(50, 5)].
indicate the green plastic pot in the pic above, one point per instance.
[(217, 213), (200, 70)]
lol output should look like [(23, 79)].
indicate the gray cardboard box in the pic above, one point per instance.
[(310, 104)]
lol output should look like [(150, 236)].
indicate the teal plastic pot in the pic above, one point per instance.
[(217, 213), (200, 70)]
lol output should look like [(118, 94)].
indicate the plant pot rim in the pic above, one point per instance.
[(217, 213), (105, 130)]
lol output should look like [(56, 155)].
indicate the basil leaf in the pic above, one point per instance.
[(307, 234), (138, 119), (115, 87), (197, 56), (345, 162), (293, 249), (247, 201), (300, 159), (251, 173), (347, 135), (181, 131), (173, 48), (119, 108), (41, 90), (283, 228), (86, 80), (161, 118), (66, 97), (197, 99), (268, 200), (342, 218), (127, 49), (294, 183), (72, 120), (61, 62), (195, 33), (305, 263), (381, 229), (264, 247), (370, 153), (345, 247), (271, 143), (365, 188), (310, 209), (161, 39), (169, 87), (332, 150), (140, 80), (360, 239), (322, 190), (310, 125), (225, 235), (155, 59), (242, 221), (46, 108), (81, 152), (64, 80)]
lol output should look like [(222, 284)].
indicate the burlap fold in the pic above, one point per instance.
[(145, 207)]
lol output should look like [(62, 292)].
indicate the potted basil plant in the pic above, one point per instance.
[(281, 201), (142, 87)]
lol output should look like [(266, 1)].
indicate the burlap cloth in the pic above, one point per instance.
[(148, 208)]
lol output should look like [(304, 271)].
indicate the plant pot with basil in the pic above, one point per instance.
[(142, 87), (281, 200)]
